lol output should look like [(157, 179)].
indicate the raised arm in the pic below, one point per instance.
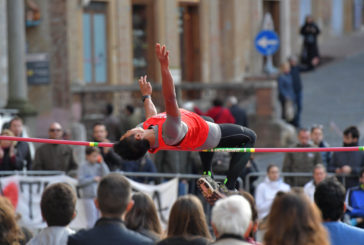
[(168, 90), (146, 90)]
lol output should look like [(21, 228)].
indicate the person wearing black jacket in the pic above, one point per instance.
[(22, 148), (9, 160), (114, 201), (310, 53), (112, 160), (297, 88), (348, 163)]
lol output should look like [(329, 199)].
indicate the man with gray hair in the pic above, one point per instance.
[(55, 157), (318, 174), (237, 112), (231, 220)]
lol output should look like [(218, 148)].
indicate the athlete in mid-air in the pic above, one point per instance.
[(179, 129)]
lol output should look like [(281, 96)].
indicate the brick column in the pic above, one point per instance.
[(256, 20), (124, 42), (285, 30), (295, 37), (58, 53), (210, 38), (235, 38)]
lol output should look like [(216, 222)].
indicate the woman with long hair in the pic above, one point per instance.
[(187, 223), (294, 219), (9, 160), (10, 232), (143, 217), (251, 201)]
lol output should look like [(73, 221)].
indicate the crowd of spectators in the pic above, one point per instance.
[(127, 218), (234, 220), (320, 213)]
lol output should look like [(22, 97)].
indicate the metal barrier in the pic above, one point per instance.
[(162, 176), (175, 175), (32, 172), (131, 174)]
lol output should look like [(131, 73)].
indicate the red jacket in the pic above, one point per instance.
[(221, 115)]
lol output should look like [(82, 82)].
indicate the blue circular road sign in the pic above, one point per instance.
[(267, 42)]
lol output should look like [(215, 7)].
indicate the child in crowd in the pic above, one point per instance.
[(58, 207), (89, 174)]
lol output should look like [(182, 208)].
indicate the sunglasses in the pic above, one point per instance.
[(55, 130)]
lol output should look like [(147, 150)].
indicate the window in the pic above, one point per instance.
[(143, 39), (95, 43)]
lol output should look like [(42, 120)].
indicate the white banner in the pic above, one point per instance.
[(163, 195), (26, 191)]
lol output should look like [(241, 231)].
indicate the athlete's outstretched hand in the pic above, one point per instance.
[(145, 86), (162, 54)]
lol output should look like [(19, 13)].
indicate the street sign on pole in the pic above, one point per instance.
[(267, 42)]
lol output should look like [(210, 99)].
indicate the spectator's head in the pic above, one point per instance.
[(361, 177), (231, 100), (231, 215), (317, 134), (294, 219), (187, 218), (99, 132), (329, 197), (303, 136), (285, 67), (109, 109), (58, 204), (55, 131), (10, 232), (7, 143), (132, 145), (351, 136), (129, 109), (217, 102), (319, 173), (114, 196), (16, 126), (189, 106), (254, 210), (92, 154), (292, 60), (308, 19), (273, 172), (143, 214)]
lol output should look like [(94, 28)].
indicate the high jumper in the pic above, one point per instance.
[(179, 129)]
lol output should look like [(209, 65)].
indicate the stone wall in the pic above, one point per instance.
[(3, 55)]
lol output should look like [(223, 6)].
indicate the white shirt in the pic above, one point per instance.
[(265, 193), (55, 235), (309, 189)]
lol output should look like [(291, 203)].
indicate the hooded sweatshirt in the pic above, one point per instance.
[(265, 193)]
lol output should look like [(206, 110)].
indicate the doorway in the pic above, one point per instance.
[(189, 34)]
